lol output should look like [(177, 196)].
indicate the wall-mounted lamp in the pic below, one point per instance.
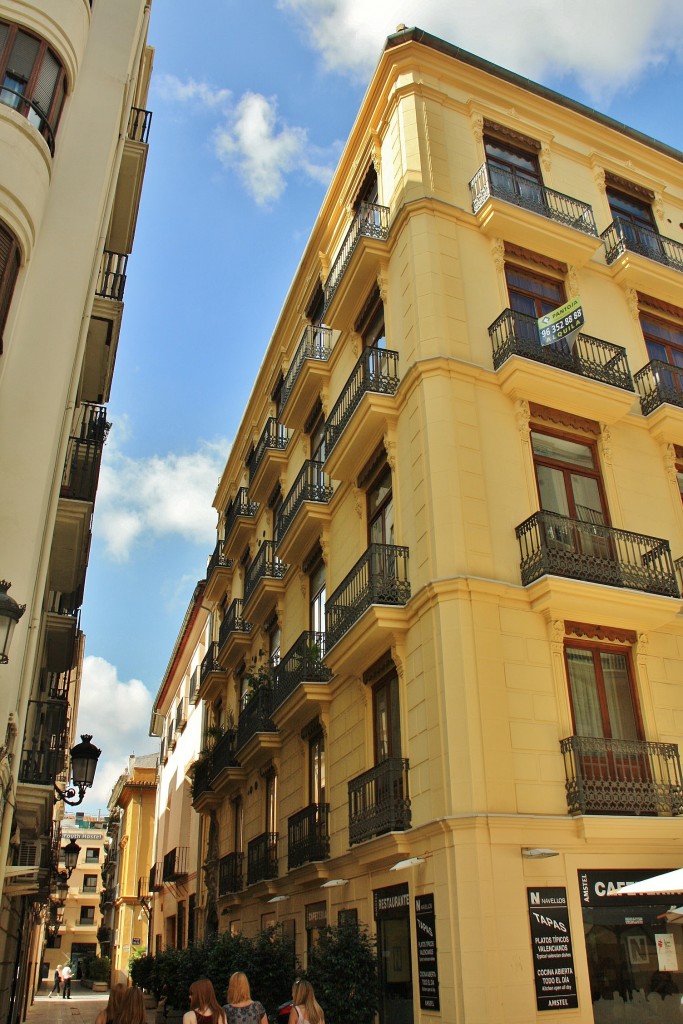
[(539, 852), (333, 882), (83, 764), (277, 899), (10, 613), (71, 852), (411, 862)]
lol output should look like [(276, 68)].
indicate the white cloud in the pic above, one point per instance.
[(169, 87), (607, 44), (162, 495), (117, 714), (263, 149)]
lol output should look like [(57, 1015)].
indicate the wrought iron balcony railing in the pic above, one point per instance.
[(201, 779), (55, 685), (31, 111), (155, 878), (559, 546), (371, 221), (84, 453), (175, 864), (210, 662), (315, 344), (262, 858), (68, 605), (624, 236), (181, 715), (303, 663), (379, 800), (308, 835), (311, 484), (111, 281), (255, 716), (517, 334), (240, 508), (218, 561), (195, 677), (659, 383), (606, 776), (678, 566), (376, 371), (233, 622), (274, 437), (46, 738), (223, 754), (266, 565), (139, 124), (230, 874), (514, 187), (380, 576)]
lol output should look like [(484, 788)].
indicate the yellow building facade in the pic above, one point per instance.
[(135, 795), (444, 673)]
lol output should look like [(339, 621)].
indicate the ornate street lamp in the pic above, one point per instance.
[(83, 764), (61, 887), (71, 852), (10, 613)]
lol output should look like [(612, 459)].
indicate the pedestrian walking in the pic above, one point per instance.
[(67, 975), (305, 1008), (241, 1008), (111, 1012), (57, 987), (204, 1007), (132, 1008)]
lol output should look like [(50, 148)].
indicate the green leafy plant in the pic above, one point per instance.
[(97, 968), (342, 968)]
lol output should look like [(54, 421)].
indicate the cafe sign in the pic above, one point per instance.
[(551, 946)]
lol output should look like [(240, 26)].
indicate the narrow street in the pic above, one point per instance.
[(82, 1008)]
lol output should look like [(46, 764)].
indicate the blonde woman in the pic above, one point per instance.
[(111, 1011), (305, 1008), (204, 1008), (241, 1008), (132, 1008)]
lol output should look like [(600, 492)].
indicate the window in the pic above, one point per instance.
[(368, 191), (601, 691), (568, 478), (664, 339), (380, 505), (191, 911), (316, 433), (87, 915), (89, 882), (9, 268), (533, 295), (316, 597), (271, 801), (238, 825), (636, 222), (274, 642), (181, 923), (386, 719), (370, 324), (92, 855), (32, 79), (514, 173), (316, 768)]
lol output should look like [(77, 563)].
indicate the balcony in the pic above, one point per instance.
[(262, 858), (255, 718), (111, 280), (175, 864), (226, 771), (155, 879), (181, 715), (362, 414), (218, 573), (304, 512), (139, 124), (212, 676), (350, 278), (234, 635), (308, 835), (528, 370), (239, 523), (379, 801), (378, 583), (268, 459), (129, 183), (84, 454), (643, 259), (301, 681), (519, 209), (306, 377), (230, 878), (660, 386), (201, 783), (606, 776), (263, 581), (46, 740)]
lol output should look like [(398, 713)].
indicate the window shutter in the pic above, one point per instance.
[(46, 82), (23, 56), (9, 268)]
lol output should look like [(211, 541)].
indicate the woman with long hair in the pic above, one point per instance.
[(204, 1008), (110, 1013), (132, 1008), (305, 1008), (241, 1008)]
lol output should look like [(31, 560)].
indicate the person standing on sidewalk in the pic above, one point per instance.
[(67, 975), (58, 982)]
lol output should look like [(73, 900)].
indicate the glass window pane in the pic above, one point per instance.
[(552, 490), (619, 698), (584, 692), (559, 449), (587, 500)]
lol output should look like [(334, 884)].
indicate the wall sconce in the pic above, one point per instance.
[(539, 852), (71, 852), (83, 764), (411, 862), (333, 882), (10, 613), (277, 899)]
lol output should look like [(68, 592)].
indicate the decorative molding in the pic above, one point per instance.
[(324, 266), (632, 303), (477, 122), (589, 631), (573, 282), (557, 633), (660, 304), (546, 157), (390, 449), (498, 253), (605, 444), (564, 419), (303, 583), (383, 283), (669, 458), (625, 185), (503, 131), (658, 206), (376, 150), (358, 501), (356, 343), (523, 417), (535, 257), (599, 176)]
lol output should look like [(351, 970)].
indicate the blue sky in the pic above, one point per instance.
[(252, 104)]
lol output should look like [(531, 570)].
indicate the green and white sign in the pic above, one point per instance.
[(561, 321)]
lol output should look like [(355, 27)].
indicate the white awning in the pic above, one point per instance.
[(659, 885)]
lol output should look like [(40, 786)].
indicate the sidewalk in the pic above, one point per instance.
[(82, 1008)]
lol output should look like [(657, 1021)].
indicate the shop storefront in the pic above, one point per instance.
[(634, 951), (392, 916)]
